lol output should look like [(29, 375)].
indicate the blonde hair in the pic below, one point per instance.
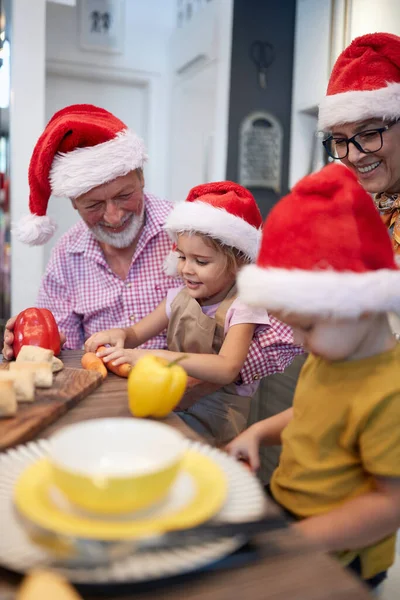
[(234, 257)]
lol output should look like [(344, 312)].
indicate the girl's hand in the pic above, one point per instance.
[(119, 356), (114, 337), (246, 447)]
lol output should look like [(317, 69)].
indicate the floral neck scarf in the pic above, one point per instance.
[(389, 209)]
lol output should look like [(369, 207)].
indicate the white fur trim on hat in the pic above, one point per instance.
[(34, 230), (204, 218), (353, 106), (323, 293), (75, 173), (170, 265)]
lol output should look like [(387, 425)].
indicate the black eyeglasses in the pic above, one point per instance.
[(367, 141)]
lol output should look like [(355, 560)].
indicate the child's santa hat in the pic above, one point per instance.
[(365, 82), (83, 146), (324, 252), (223, 210)]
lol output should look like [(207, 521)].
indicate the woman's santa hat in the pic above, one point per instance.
[(324, 252), (365, 82), (223, 210), (83, 146)]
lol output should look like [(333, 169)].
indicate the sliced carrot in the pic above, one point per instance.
[(91, 362), (121, 370)]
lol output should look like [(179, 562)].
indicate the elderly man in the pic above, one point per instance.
[(107, 271)]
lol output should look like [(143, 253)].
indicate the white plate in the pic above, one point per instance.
[(245, 500)]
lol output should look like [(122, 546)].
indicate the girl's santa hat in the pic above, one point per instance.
[(83, 146), (365, 82), (324, 252), (223, 210)]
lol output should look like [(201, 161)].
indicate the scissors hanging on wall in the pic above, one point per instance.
[(262, 54)]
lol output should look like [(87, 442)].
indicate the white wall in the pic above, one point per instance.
[(149, 24), (148, 27), (374, 15), (26, 124)]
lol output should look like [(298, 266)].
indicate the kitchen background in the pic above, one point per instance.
[(217, 88)]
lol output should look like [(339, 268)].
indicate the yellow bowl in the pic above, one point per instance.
[(113, 466)]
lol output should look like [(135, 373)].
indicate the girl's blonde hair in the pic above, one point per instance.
[(234, 257)]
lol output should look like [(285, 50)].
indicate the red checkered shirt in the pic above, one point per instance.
[(86, 296)]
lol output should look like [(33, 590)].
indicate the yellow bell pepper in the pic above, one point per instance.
[(155, 386)]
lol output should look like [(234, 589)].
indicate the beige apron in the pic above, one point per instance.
[(222, 415)]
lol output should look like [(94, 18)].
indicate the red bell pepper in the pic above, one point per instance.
[(36, 327)]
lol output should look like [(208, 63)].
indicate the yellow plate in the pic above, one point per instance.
[(33, 501)]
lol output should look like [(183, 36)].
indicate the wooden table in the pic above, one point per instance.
[(283, 566), (109, 400)]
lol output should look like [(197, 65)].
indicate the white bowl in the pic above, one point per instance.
[(115, 465)]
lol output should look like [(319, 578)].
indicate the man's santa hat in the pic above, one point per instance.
[(83, 146), (324, 252), (222, 210), (365, 82)]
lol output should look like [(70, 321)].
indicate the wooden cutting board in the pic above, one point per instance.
[(69, 387)]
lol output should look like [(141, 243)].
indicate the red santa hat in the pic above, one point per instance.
[(223, 210), (83, 146), (365, 82), (324, 252)]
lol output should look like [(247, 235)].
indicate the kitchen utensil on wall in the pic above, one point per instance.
[(262, 54), (260, 151)]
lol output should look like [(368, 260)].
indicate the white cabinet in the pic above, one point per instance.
[(66, 2), (311, 62), (193, 123), (200, 65)]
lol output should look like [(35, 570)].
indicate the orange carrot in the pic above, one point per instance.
[(91, 362), (121, 370)]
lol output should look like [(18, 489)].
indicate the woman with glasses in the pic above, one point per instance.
[(361, 117)]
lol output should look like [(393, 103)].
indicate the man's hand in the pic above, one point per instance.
[(8, 352)]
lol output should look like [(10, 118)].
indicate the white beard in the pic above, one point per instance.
[(122, 239)]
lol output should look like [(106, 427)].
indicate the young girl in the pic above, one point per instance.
[(215, 232)]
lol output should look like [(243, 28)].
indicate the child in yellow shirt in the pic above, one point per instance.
[(326, 268)]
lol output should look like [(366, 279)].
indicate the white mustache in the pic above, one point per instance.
[(121, 239), (104, 224)]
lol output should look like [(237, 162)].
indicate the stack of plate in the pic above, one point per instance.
[(40, 527)]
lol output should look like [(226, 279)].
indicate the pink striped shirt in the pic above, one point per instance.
[(86, 296)]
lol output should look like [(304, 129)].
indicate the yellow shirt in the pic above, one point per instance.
[(345, 429)]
